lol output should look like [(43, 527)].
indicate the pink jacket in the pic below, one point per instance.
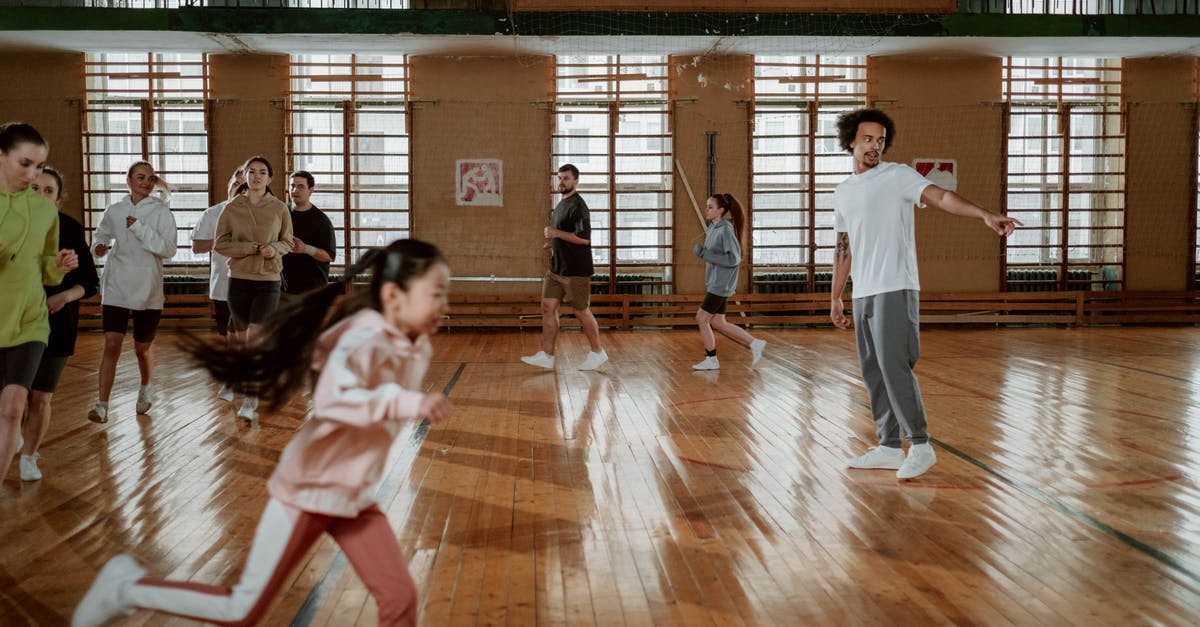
[(370, 374)]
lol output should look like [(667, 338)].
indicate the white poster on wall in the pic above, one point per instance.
[(479, 182), (942, 172)]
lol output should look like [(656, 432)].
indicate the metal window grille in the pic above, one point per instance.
[(347, 124), (612, 120), (796, 165)]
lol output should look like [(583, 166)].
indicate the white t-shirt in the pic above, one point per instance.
[(875, 209), (218, 267)]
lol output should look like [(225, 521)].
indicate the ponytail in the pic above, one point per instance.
[(279, 361), (733, 208)]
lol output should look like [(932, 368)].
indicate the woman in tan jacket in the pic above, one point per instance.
[(254, 232)]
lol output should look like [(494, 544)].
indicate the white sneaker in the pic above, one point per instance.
[(541, 360), (246, 411), (145, 398), (29, 469), (885, 457), (920, 458), (106, 599), (594, 360), (225, 393), (756, 350), (98, 413), (710, 363)]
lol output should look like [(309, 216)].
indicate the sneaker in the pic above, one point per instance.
[(106, 599), (710, 363), (756, 349), (246, 411), (98, 413), (541, 360), (885, 457), (29, 469), (594, 360), (225, 393), (920, 458), (145, 398)]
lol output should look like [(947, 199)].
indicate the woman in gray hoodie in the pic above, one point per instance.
[(722, 255)]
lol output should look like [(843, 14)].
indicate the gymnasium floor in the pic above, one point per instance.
[(649, 494)]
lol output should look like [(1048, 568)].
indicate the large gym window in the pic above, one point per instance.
[(146, 106), (796, 165), (612, 121), (348, 125), (1066, 174)]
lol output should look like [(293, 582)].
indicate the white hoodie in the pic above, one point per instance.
[(133, 267)]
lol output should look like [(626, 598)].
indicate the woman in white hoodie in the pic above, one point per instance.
[(136, 234), (368, 363)]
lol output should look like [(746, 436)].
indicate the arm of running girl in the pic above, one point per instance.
[(157, 238), (841, 274), (724, 252), (952, 203), (349, 389), (102, 236), (55, 263), (283, 245)]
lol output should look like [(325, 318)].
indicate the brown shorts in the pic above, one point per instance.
[(575, 291)]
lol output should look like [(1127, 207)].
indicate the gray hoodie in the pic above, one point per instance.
[(722, 254)]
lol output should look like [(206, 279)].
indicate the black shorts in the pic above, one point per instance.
[(48, 373), (714, 304), (145, 321), (19, 363), (250, 302), (221, 316)]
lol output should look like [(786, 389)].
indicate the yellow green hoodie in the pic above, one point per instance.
[(28, 248)]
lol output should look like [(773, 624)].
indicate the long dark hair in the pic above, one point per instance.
[(246, 168), (278, 362), (54, 174), (734, 208)]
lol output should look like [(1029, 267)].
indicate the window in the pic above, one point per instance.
[(612, 121), (147, 106), (348, 126), (1066, 174), (796, 165)]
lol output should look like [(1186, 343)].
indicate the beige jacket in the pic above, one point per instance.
[(243, 226)]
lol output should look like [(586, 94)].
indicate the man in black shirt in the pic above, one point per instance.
[(313, 242), (570, 277)]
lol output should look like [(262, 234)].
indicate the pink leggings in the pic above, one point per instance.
[(279, 545)]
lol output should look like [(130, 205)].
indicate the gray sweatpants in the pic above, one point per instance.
[(889, 343)]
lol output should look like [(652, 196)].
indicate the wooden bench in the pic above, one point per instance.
[(628, 311)]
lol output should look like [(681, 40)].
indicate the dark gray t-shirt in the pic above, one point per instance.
[(569, 259)]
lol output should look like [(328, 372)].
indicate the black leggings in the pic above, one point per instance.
[(250, 302)]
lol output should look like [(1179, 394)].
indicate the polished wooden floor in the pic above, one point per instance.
[(649, 494)]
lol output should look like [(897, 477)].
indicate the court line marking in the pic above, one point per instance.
[(316, 596)]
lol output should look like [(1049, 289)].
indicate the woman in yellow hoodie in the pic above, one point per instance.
[(29, 259), (254, 232)]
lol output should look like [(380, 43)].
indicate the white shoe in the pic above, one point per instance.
[(246, 411), (885, 457), (98, 413), (594, 360), (541, 360), (145, 398), (756, 350), (920, 458), (225, 393), (710, 363), (29, 469), (106, 599)]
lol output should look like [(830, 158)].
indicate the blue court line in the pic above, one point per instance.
[(318, 594), (1038, 495)]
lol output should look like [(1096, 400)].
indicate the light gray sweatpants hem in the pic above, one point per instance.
[(886, 327)]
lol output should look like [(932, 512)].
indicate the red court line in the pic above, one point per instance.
[(709, 400), (710, 464), (898, 484), (1121, 484)]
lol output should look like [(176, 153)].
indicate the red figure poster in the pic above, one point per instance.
[(479, 182), (941, 172)]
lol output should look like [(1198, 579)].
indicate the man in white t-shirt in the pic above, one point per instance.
[(218, 274), (874, 215)]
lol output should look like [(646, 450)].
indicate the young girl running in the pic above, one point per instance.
[(722, 255), (370, 359)]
